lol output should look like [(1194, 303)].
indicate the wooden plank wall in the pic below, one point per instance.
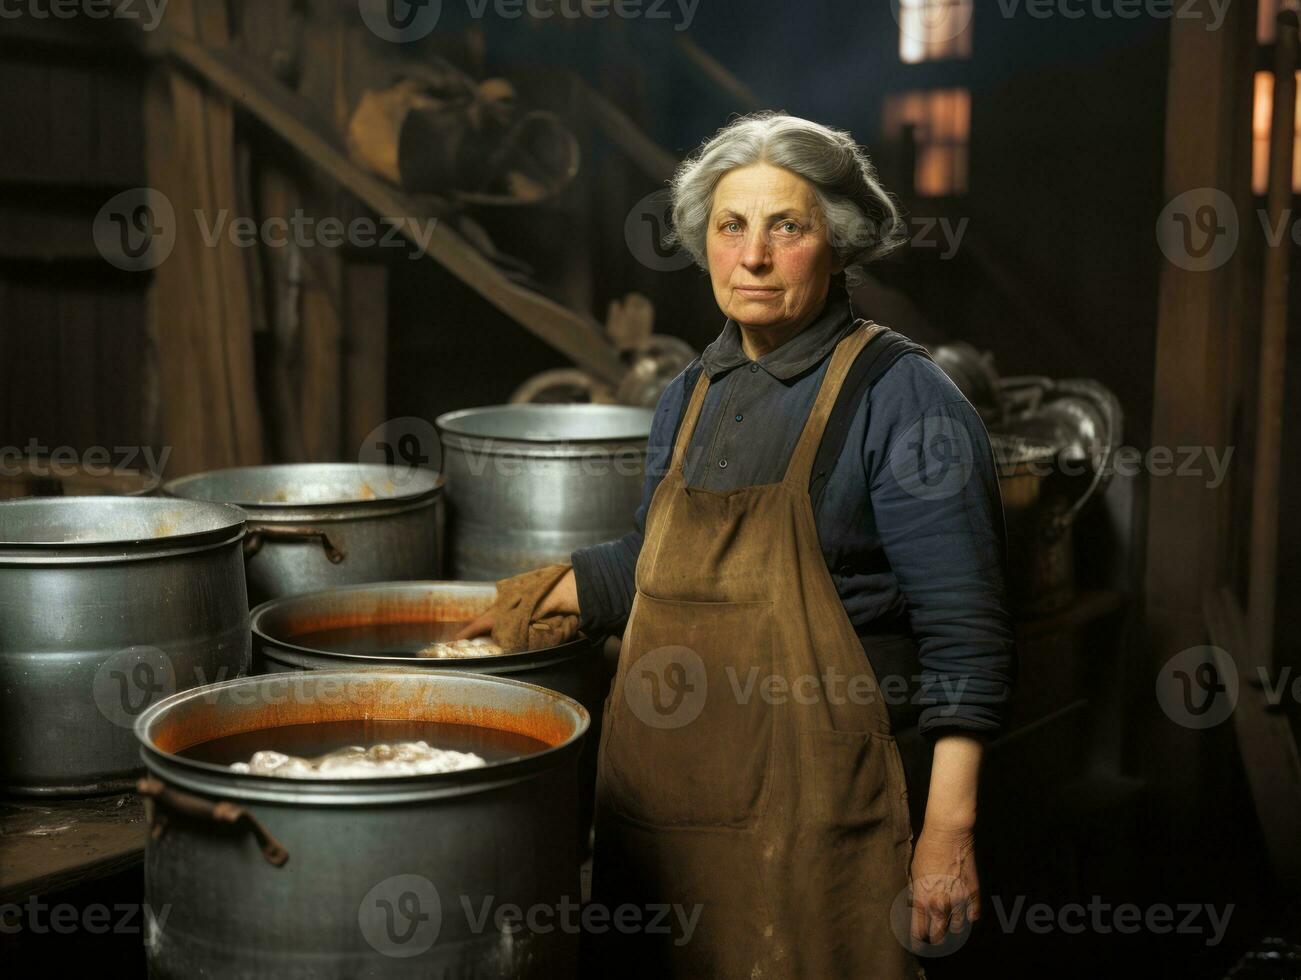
[(219, 354), (73, 350)]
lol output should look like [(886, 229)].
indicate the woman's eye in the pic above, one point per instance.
[(732, 227), (790, 227)]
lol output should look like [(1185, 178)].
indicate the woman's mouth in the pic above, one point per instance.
[(758, 292)]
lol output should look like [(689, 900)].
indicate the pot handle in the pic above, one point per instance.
[(162, 799), (1107, 407), (259, 533)]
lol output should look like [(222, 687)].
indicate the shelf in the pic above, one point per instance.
[(49, 845), (1087, 608)]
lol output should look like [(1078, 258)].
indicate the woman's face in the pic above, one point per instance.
[(769, 258)]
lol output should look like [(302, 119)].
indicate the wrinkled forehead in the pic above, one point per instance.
[(762, 190)]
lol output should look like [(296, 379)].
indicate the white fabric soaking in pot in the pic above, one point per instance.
[(356, 762)]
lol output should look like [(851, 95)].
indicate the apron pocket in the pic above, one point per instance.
[(854, 782), (688, 736)]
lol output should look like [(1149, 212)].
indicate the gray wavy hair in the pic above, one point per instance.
[(863, 220)]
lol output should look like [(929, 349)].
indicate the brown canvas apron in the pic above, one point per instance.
[(747, 765)]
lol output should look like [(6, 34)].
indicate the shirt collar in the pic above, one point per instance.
[(797, 355)]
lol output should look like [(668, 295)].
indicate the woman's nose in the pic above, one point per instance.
[(756, 255)]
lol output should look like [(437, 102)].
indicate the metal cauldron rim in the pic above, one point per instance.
[(507, 662), (213, 779), (224, 524), (430, 484), (453, 424)]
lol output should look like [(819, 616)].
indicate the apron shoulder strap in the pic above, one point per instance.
[(690, 375), (693, 398), (872, 362)]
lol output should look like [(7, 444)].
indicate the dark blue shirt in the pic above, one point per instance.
[(910, 523)]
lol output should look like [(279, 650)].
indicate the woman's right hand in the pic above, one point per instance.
[(563, 598)]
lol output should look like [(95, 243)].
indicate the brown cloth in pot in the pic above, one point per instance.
[(517, 627)]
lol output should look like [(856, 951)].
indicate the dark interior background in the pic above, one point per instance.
[(1057, 274)]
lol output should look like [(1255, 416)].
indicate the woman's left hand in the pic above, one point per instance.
[(945, 887)]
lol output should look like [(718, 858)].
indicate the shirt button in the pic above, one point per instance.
[(753, 368), (722, 464), (739, 416)]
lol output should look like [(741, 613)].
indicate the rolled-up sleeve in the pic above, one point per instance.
[(606, 574), (935, 497)]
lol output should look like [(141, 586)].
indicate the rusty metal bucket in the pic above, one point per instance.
[(377, 877), (409, 614)]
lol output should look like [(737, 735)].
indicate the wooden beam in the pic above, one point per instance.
[(1262, 585), (656, 162), (1268, 747), (576, 335), (200, 307), (719, 77), (365, 349), (1208, 119), (1200, 326)]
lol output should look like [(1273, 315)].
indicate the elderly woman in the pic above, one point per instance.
[(821, 525)]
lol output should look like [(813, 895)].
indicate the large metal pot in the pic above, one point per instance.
[(316, 525), (260, 876), (1054, 452), (384, 624), (528, 484), (44, 476), (106, 605)]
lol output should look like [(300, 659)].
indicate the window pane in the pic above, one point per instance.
[(940, 121), (1266, 12), (932, 30), (1261, 112)]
